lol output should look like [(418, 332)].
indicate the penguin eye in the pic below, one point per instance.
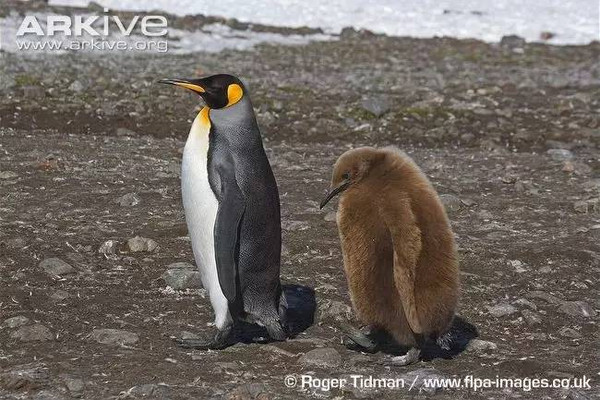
[(346, 176)]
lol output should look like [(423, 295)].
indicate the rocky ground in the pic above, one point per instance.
[(94, 256)]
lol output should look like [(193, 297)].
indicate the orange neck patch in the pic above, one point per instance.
[(234, 94), (205, 117)]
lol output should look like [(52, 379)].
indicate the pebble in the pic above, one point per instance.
[(139, 244), (569, 332), (126, 132), (15, 322), (108, 248), (479, 345), (59, 295), (512, 41), (75, 385), (128, 200), (56, 266), (330, 216), (577, 309), (249, 391), (451, 202), (114, 336), (185, 335), (501, 310), (147, 390), (560, 154), (376, 105), (33, 92), (575, 394), (587, 206), (538, 294), (32, 333), (526, 303), (531, 317), (76, 87), (8, 175), (326, 357), (335, 310), (15, 243), (181, 276), (518, 266)]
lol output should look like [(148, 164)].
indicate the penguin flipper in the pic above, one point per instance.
[(406, 238), (229, 215)]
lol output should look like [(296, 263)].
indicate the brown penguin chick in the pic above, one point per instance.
[(399, 253)]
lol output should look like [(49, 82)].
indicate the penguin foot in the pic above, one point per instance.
[(221, 340), (412, 356), (276, 332), (355, 339)]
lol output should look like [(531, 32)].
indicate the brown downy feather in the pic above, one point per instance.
[(399, 253)]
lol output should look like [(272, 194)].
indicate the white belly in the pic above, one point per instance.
[(200, 205)]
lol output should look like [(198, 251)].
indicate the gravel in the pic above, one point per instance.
[(114, 337)]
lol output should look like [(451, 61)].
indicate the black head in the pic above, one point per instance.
[(218, 91)]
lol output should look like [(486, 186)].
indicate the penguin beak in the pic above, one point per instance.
[(343, 186), (184, 83)]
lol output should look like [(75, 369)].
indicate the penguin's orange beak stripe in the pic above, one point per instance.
[(184, 84)]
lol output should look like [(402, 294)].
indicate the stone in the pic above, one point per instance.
[(126, 132), (128, 200), (75, 385), (76, 87), (560, 154), (451, 203), (577, 309), (478, 345), (249, 391), (575, 394), (326, 357), (531, 317), (108, 248), (375, 105), (139, 244), (8, 175), (569, 333), (181, 276), (114, 337), (335, 310), (330, 216), (15, 322), (15, 243), (518, 266), (24, 377), (56, 266), (33, 92), (526, 303), (59, 295), (587, 206), (501, 310), (32, 333), (147, 390), (185, 335), (547, 297), (512, 41)]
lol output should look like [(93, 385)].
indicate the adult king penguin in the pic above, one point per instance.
[(231, 207)]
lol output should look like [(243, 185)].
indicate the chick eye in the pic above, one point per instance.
[(346, 175)]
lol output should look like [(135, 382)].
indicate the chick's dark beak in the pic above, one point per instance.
[(184, 83), (335, 191)]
